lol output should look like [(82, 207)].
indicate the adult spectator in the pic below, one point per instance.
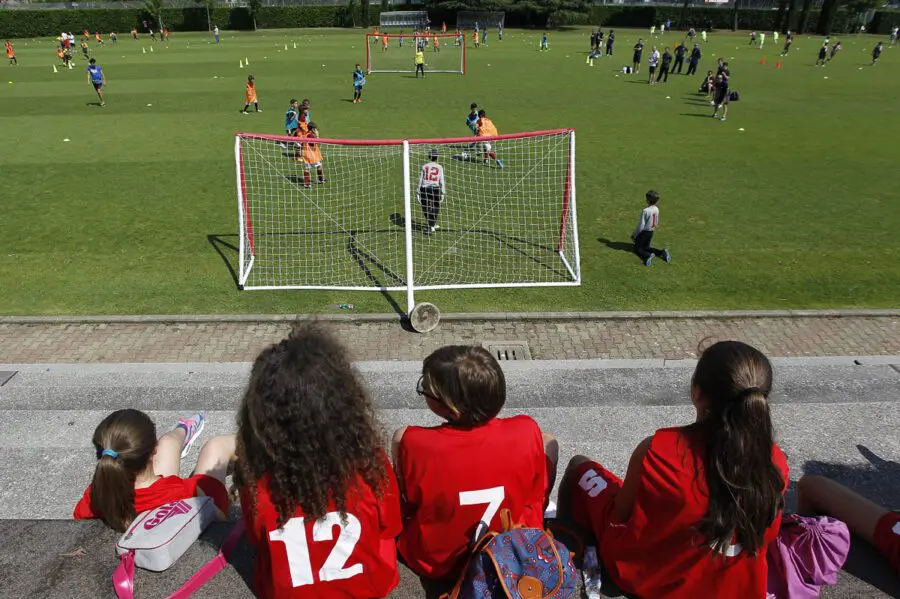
[(680, 51), (652, 64), (636, 57), (696, 55), (664, 67)]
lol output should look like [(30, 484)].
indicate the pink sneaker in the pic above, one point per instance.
[(192, 426)]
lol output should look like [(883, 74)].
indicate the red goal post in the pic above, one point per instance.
[(398, 56)]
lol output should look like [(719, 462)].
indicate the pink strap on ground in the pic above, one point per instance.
[(123, 577)]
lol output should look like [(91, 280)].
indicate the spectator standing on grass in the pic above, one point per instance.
[(664, 68), (646, 227), (721, 98), (680, 51), (216, 33), (699, 504), (696, 55), (636, 58), (610, 39), (652, 63)]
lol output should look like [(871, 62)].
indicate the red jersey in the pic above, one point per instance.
[(165, 490), (454, 478), (658, 553), (326, 559)]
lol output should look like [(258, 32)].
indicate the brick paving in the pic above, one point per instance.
[(586, 337)]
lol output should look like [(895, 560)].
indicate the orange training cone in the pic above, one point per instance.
[(763, 61), (778, 65)]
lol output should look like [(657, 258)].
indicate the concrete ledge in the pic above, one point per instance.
[(451, 317)]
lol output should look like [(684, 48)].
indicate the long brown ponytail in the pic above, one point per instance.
[(745, 487), (124, 442)]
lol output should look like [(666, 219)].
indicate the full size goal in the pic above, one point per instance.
[(360, 224), (444, 52)]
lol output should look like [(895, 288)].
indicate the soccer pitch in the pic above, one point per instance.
[(790, 203)]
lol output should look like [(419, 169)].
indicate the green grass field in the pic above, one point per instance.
[(797, 210)]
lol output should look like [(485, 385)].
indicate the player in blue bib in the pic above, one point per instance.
[(97, 79), (292, 118), (359, 80)]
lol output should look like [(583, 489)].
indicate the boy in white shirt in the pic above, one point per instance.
[(643, 233)]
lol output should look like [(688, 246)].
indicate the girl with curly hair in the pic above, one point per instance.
[(319, 497), (136, 472), (700, 503)]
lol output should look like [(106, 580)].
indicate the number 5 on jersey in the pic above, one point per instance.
[(293, 535)]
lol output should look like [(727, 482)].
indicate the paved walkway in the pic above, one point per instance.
[(554, 338)]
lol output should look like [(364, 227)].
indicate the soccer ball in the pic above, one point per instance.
[(465, 155)]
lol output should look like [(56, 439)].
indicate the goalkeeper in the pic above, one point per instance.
[(431, 190)]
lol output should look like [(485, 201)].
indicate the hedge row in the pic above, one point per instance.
[(35, 23)]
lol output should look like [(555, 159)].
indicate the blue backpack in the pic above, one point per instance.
[(518, 563)]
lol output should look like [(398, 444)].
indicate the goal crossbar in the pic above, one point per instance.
[(509, 227), (395, 52)]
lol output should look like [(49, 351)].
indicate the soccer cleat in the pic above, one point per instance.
[(258, 110), (723, 119), (500, 163), (649, 260), (192, 426), (667, 256), (432, 229), (486, 162), (435, 228)]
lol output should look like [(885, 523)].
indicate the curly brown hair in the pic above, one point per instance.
[(307, 421)]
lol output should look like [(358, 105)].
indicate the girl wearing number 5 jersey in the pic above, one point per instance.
[(319, 498), (456, 477)]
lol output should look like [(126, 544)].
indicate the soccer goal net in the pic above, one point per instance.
[(352, 215), (468, 19), (403, 19), (396, 53)]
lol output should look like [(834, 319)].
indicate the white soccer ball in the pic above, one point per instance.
[(465, 155)]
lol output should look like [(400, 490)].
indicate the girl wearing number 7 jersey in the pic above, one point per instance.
[(456, 477), (319, 498)]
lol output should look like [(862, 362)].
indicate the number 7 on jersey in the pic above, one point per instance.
[(493, 497)]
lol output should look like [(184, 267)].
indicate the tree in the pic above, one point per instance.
[(782, 13), (737, 8), (385, 5), (803, 25), (254, 6), (364, 13), (155, 8), (207, 4)]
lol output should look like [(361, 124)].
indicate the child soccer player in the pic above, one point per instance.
[(436, 44), (113, 37), (97, 38), (455, 478), (216, 33), (643, 233), (250, 96), (359, 80), (699, 503), (61, 55), (876, 52), (431, 190), (11, 54), (545, 44), (292, 118), (312, 158), (420, 62), (834, 50), (721, 98), (384, 43), (84, 49), (486, 128), (476, 38), (134, 33), (317, 491), (459, 38), (787, 44), (823, 55), (97, 79), (762, 40), (136, 472)]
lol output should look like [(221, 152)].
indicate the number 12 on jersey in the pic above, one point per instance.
[(293, 535)]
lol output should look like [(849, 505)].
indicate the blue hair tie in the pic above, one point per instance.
[(110, 453)]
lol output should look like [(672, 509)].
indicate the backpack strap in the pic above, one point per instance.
[(212, 567), (476, 549), (123, 577)]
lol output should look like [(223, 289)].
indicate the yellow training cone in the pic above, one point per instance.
[(240, 64), (247, 61), (54, 69), (144, 50)]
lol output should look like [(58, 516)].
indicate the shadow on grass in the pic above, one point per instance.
[(219, 243), (694, 114), (620, 246), (880, 482)]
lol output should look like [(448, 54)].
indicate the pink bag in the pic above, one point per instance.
[(808, 553)]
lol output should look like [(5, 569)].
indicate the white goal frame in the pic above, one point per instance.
[(567, 233), (448, 42)]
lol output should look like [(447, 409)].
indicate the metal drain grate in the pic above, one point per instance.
[(508, 350), (6, 375)]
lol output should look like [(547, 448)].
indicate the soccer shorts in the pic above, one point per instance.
[(887, 538), (97, 86), (309, 165), (486, 146), (593, 497)]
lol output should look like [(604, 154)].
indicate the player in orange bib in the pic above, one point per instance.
[(476, 39), (11, 54), (486, 128), (97, 38), (384, 43), (436, 47), (312, 158), (251, 96)]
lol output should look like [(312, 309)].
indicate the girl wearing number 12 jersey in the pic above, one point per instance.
[(458, 475), (319, 498)]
